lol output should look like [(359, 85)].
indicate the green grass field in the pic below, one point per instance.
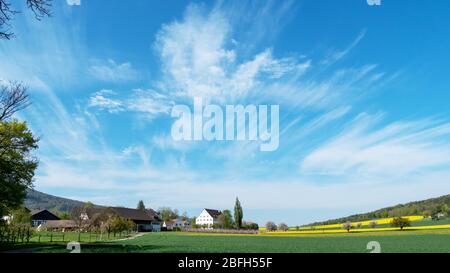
[(391, 242)]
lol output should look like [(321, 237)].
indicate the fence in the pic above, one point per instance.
[(16, 235)]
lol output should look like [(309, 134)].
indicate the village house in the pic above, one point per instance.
[(146, 220), (40, 217), (208, 217), (175, 223), (60, 225)]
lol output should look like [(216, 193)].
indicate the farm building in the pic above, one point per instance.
[(208, 217), (60, 225), (175, 223), (40, 217), (146, 220)]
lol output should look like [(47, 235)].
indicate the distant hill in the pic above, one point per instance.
[(39, 200), (427, 207)]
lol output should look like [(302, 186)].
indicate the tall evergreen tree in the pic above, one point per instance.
[(141, 205), (238, 214)]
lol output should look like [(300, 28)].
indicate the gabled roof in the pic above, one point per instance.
[(153, 214), (132, 214), (213, 212), (36, 211), (44, 213)]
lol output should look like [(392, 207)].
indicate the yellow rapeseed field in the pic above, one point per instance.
[(337, 231), (383, 221)]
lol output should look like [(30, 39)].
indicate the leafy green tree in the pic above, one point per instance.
[(17, 165), (131, 225), (226, 220), (445, 209), (400, 222), (119, 224), (427, 213), (250, 226), (238, 214), (140, 205), (21, 216), (64, 216), (167, 213), (88, 205)]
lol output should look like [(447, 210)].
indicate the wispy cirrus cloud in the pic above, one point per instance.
[(398, 149), (337, 55), (103, 101), (146, 101), (110, 71)]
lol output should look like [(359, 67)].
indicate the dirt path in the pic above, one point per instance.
[(130, 238)]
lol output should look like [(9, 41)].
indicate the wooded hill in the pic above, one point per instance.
[(427, 207), (38, 200)]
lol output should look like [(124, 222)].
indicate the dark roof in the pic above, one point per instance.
[(153, 214), (43, 214), (213, 212), (132, 214), (36, 211)]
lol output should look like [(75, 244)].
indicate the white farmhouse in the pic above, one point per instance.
[(175, 223), (208, 217)]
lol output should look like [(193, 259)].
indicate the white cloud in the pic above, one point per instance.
[(339, 54), (144, 101), (398, 149), (342, 88), (110, 71), (101, 101), (200, 59), (73, 2), (150, 102)]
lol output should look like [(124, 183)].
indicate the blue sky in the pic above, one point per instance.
[(363, 94)]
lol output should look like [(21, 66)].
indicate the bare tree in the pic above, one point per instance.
[(40, 8), (283, 227), (78, 215), (271, 226), (13, 98)]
